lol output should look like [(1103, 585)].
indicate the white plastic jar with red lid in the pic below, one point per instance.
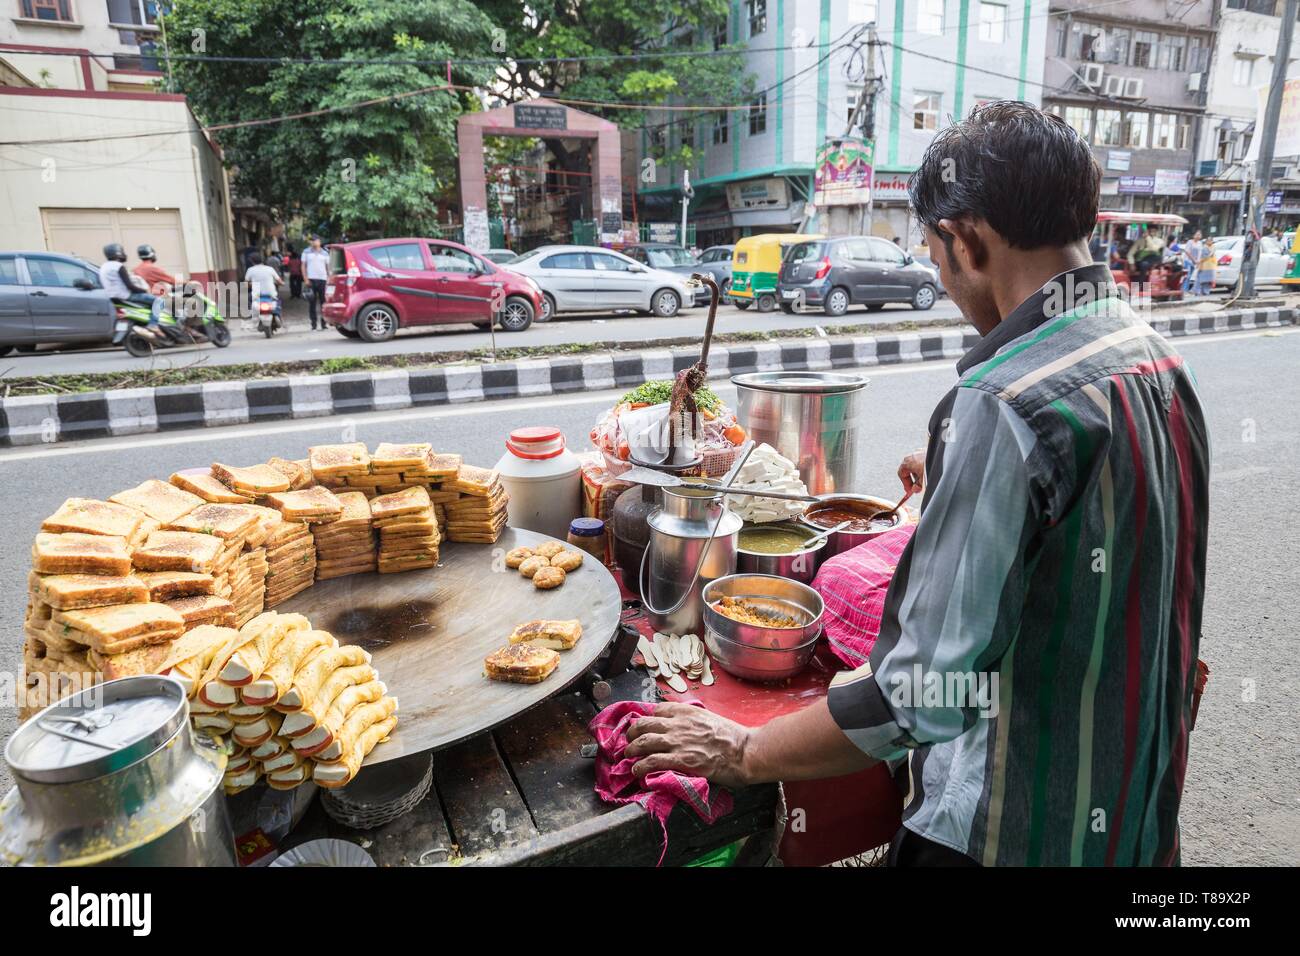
[(543, 479)]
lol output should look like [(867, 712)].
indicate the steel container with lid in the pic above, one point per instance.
[(114, 775), (812, 418)]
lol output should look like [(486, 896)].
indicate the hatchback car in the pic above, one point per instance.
[(50, 298), (853, 270), (380, 286), (594, 279), (668, 258), (1229, 252)]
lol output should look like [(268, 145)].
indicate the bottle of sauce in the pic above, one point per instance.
[(588, 534)]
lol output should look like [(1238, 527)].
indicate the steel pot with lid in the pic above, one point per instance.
[(812, 418), (114, 776)]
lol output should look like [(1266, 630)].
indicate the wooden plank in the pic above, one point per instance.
[(484, 808), (429, 631), (418, 838), (544, 752), (628, 836)]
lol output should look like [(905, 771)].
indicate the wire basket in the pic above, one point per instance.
[(381, 794)]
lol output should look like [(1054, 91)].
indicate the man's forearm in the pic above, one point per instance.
[(807, 745)]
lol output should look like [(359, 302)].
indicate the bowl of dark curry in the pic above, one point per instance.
[(865, 514)]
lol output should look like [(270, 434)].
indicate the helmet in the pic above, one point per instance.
[(114, 250), (146, 252)]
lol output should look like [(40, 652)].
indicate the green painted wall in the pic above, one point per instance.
[(823, 72), (896, 81), (959, 84)]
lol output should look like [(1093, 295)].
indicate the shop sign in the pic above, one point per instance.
[(1118, 160), (1171, 182), (1137, 184), (758, 194), (1225, 195), (843, 173), (663, 232), (1273, 201), (889, 187)]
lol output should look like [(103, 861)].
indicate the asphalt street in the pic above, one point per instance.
[(298, 342), (1241, 802)]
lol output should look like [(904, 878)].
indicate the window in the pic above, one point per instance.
[(1092, 42), (1243, 70), (1184, 134), (1110, 128), (851, 107), (929, 17), (993, 22), (882, 250), (400, 255), (758, 114), (565, 260), (720, 35), (1164, 131), (1144, 48), (862, 11), (757, 17), (1173, 53), (58, 272), (60, 10), (1137, 130), (1080, 117), (451, 259), (139, 12), (925, 111), (8, 270), (604, 262), (720, 124), (1061, 38), (803, 252), (686, 133), (1117, 46), (658, 140), (1198, 56)]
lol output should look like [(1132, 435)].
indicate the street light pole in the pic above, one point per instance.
[(1267, 141)]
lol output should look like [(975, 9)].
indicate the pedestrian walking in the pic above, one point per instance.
[(293, 265), (1205, 268), (1190, 251), (315, 269)]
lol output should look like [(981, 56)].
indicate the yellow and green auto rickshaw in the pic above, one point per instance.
[(755, 266), (1292, 276)]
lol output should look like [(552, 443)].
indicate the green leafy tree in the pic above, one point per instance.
[(380, 168)]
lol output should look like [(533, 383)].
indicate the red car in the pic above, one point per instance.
[(379, 286)]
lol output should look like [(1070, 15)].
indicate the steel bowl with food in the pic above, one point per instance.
[(779, 548), (829, 510), (780, 646)]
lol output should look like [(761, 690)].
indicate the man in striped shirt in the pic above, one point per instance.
[(1034, 672)]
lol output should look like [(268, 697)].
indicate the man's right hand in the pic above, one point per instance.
[(912, 472)]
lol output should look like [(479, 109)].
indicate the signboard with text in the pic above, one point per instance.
[(1137, 184), (1172, 182), (843, 173), (531, 116)]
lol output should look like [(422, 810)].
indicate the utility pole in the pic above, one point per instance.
[(687, 193), (1267, 140)]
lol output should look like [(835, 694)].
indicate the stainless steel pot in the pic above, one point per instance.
[(114, 776), (812, 418), (841, 541), (797, 565), (762, 653), (692, 542)]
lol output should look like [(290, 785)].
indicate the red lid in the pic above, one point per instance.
[(536, 442), (534, 433)]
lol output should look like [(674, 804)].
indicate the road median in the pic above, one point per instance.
[(206, 396)]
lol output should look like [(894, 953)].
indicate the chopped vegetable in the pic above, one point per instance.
[(659, 391)]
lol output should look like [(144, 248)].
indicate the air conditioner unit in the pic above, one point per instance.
[(1132, 88), (1194, 81), (1092, 75), (1114, 85)]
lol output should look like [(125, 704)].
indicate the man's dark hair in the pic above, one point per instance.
[(255, 258), (1025, 172)]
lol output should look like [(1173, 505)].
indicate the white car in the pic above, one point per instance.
[(593, 279), (1229, 250)]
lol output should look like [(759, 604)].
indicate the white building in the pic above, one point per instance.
[(79, 103), (936, 58)]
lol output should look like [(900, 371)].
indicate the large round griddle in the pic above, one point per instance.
[(428, 632)]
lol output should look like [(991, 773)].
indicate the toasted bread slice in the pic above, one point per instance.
[(521, 664), (167, 585), (89, 516), (204, 609), (316, 502), (337, 461), (161, 501), (442, 466), (474, 481), (76, 553), (143, 660), (229, 522), (411, 501), (253, 480), (201, 482), (122, 620), (557, 635), (180, 551), (68, 592), (390, 457)]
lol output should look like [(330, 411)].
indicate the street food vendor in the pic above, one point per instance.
[(1059, 559)]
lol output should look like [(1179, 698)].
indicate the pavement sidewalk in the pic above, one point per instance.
[(44, 419)]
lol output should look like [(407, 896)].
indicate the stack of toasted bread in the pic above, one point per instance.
[(408, 532), (478, 514), (345, 545), (289, 702)]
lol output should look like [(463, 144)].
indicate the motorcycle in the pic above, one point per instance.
[(268, 314), (200, 321)]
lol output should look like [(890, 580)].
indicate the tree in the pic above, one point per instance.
[(379, 168)]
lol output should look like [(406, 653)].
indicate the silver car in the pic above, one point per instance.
[(48, 297), (593, 279)]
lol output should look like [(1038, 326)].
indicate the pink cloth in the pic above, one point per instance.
[(659, 792), (853, 586)]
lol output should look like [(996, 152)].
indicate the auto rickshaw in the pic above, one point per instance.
[(756, 265), (1292, 276), (1164, 280)]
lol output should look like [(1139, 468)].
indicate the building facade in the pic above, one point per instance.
[(79, 98), (935, 59), (1132, 79), (1240, 73)]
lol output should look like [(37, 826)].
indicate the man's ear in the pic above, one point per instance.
[(968, 246)]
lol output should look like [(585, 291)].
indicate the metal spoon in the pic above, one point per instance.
[(894, 510), (823, 535)]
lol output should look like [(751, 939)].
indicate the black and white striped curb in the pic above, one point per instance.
[(40, 419)]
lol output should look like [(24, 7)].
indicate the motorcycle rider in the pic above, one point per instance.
[(159, 279), (119, 284), (262, 279)]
